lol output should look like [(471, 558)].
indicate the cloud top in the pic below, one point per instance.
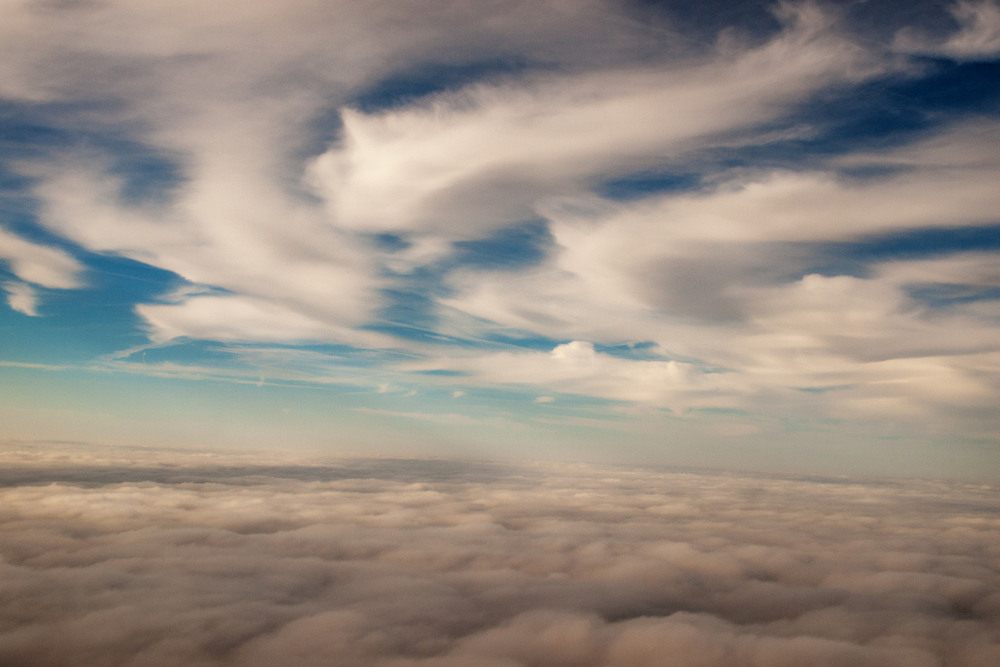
[(443, 563)]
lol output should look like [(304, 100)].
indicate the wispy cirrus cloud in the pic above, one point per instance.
[(977, 37), (232, 112), (464, 163)]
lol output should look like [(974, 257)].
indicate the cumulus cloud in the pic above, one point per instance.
[(453, 563)]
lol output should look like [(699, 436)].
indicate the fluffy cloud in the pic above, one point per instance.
[(446, 563)]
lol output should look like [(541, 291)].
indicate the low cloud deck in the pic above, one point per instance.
[(441, 563)]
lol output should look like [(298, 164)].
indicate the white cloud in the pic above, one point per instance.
[(39, 264), (577, 368), (703, 255), (862, 342), (22, 297), (229, 93), (241, 318), (465, 163), (236, 232), (710, 276), (36, 265)]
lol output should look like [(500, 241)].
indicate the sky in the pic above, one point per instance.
[(754, 236)]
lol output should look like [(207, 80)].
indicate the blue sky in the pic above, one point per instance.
[(753, 235)]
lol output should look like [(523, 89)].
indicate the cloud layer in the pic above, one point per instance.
[(442, 563)]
